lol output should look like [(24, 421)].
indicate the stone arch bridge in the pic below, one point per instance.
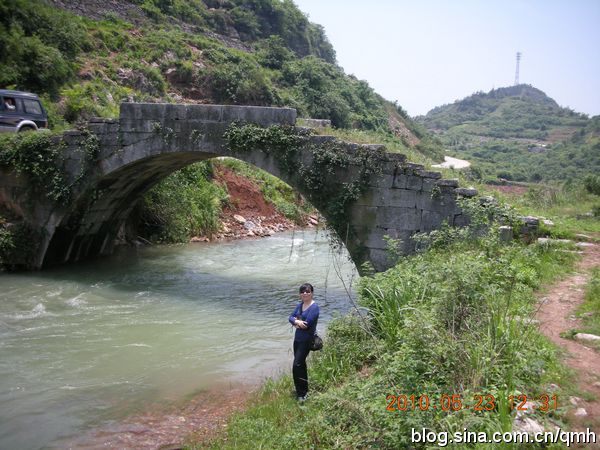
[(150, 141)]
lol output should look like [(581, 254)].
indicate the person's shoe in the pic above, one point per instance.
[(302, 398)]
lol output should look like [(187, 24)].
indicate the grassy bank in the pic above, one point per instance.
[(571, 207), (454, 320), (589, 311)]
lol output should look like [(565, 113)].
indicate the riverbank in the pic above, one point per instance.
[(196, 419), (247, 213), (448, 322)]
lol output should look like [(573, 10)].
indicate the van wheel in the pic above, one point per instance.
[(25, 129)]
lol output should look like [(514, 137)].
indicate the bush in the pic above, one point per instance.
[(93, 99), (243, 84), (32, 65), (18, 245), (183, 205), (273, 53), (592, 184), (40, 45)]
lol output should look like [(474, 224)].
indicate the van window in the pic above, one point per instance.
[(32, 106), (9, 103)]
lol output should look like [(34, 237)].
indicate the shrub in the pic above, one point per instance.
[(182, 205), (592, 184), (18, 245), (40, 44), (242, 83)]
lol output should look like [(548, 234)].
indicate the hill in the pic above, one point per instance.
[(85, 57), (517, 133)]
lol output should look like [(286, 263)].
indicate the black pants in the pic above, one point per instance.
[(301, 350)]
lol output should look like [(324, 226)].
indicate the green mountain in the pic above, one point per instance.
[(87, 56), (517, 133)]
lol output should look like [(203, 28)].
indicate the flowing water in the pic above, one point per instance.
[(95, 342)]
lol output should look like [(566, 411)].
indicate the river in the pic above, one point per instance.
[(88, 344)]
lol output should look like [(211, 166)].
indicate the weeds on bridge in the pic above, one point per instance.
[(328, 174), (39, 156)]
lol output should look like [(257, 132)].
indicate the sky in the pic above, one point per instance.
[(426, 53)]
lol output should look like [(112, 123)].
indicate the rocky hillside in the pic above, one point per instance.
[(87, 56), (517, 133)]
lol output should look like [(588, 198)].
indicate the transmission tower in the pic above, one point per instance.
[(517, 71)]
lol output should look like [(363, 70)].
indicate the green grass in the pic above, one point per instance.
[(569, 206), (589, 311)]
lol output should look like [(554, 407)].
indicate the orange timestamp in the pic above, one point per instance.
[(478, 402)]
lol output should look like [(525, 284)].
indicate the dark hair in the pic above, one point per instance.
[(306, 287)]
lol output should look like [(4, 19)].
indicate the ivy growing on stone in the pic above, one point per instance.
[(18, 243), (39, 156), (165, 133), (318, 175)]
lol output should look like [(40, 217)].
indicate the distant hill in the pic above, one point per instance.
[(517, 133)]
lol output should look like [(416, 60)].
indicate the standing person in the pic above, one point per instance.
[(304, 319)]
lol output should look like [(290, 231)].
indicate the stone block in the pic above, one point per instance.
[(447, 183), (397, 197), (154, 111), (174, 112), (414, 183), (400, 181), (397, 157), (431, 220), (373, 147), (380, 259), (130, 111), (363, 216), (428, 184), (384, 181), (412, 168), (429, 174), (506, 234), (376, 238), (424, 200), (461, 220), (321, 139), (205, 113), (263, 116), (399, 218), (466, 192), (389, 197), (314, 123), (389, 167)]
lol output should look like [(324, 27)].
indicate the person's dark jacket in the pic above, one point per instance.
[(310, 316)]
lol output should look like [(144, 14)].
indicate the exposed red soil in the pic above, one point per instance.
[(196, 421), (246, 197), (248, 213), (557, 315)]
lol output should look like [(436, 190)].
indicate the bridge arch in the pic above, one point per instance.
[(364, 192)]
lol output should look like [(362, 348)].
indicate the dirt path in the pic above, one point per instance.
[(556, 315)]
